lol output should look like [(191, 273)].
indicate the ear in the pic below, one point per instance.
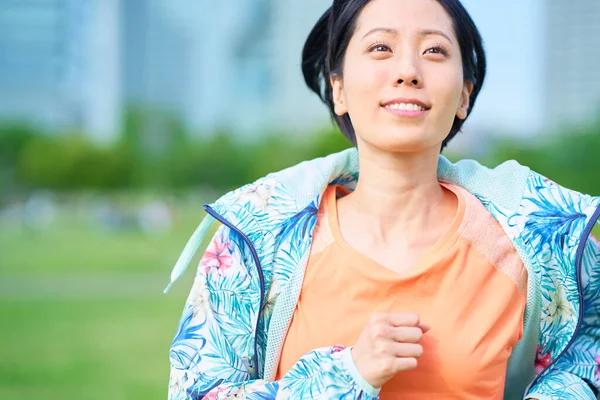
[(463, 107), (337, 88)]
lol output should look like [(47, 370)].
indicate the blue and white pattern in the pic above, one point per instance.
[(246, 288)]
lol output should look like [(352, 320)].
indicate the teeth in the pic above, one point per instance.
[(405, 107)]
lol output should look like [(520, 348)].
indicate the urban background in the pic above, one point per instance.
[(119, 119)]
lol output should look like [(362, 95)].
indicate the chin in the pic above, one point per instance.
[(406, 141)]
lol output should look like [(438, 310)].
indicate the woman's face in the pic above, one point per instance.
[(402, 79)]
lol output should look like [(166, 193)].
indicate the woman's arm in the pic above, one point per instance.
[(215, 339), (576, 375)]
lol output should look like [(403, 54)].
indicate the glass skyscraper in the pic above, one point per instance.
[(572, 80), (59, 64)]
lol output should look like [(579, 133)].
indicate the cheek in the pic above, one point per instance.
[(448, 90), (379, 77), (363, 83)]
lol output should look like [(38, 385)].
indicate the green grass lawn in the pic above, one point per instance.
[(109, 346), (76, 248), (94, 350), (81, 251)]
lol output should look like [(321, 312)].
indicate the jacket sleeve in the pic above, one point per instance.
[(576, 375), (215, 340)]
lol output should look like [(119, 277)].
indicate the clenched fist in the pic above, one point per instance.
[(389, 344)]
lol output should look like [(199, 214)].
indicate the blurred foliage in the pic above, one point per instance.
[(570, 158), (13, 138), (157, 152), (72, 162)]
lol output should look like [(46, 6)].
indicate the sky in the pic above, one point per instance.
[(513, 32)]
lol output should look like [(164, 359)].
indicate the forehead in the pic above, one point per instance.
[(405, 15)]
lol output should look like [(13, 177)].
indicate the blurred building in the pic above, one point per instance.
[(59, 64), (157, 54), (572, 81), (235, 65), (292, 101), (249, 71), (231, 65)]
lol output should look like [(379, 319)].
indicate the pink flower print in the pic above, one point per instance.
[(214, 394), (217, 257), (542, 361), (211, 395), (597, 359), (336, 348)]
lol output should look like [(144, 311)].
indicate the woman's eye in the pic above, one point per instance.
[(378, 48), (436, 50)]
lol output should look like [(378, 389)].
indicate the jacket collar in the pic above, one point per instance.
[(297, 187)]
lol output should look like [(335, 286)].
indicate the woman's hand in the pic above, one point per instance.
[(389, 344)]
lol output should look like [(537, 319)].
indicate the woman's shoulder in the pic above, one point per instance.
[(297, 187), (510, 183)]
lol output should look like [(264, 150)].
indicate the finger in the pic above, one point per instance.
[(403, 319), (424, 328), (405, 334), (406, 350), (404, 364)]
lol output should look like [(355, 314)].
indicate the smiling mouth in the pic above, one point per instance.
[(405, 107), (406, 110)]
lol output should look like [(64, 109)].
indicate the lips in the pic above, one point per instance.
[(403, 104), (405, 107)]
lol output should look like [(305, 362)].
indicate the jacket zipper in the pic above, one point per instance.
[(261, 277), (587, 231)]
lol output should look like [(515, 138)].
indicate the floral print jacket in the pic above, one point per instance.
[(230, 336)]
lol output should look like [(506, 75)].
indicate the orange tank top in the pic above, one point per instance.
[(470, 288)]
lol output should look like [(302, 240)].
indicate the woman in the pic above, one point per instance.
[(421, 279)]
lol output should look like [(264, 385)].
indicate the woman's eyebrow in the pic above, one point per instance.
[(395, 32), (429, 32), (384, 30)]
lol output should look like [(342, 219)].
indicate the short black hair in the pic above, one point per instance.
[(325, 49)]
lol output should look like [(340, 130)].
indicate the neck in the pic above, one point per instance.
[(398, 193)]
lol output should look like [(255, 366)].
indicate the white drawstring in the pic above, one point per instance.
[(190, 250)]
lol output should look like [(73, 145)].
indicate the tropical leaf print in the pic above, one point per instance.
[(223, 360), (299, 227), (493, 208), (347, 179), (199, 390), (293, 243), (555, 218), (267, 391), (305, 379), (189, 340)]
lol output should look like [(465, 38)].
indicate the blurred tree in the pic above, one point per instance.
[(327, 141), (570, 159), (274, 153), (160, 154), (72, 162), (13, 137), (223, 163)]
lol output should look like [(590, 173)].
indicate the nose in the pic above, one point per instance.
[(407, 72)]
